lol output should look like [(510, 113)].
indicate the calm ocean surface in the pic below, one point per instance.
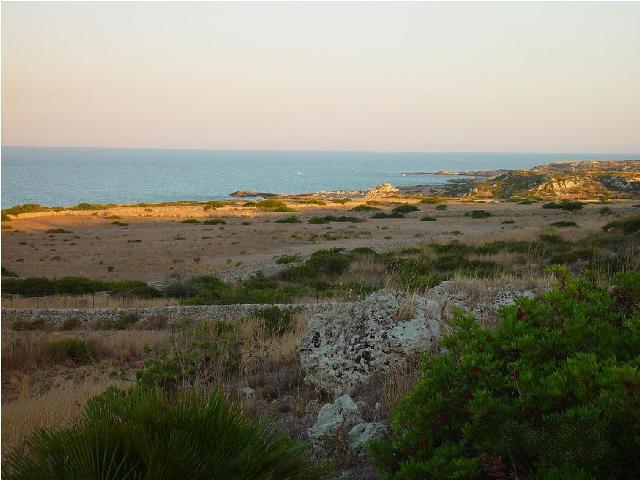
[(68, 176)]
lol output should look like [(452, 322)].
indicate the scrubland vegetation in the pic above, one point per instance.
[(549, 389)]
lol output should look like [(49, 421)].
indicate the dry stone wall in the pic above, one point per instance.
[(155, 317)]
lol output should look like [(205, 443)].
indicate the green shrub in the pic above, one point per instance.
[(203, 290), (329, 262), (573, 256), (276, 320), (606, 211), (363, 251), (381, 215), (289, 219), (428, 218), (191, 220), (273, 205), (119, 223), (310, 201), (74, 349), (508, 222), (214, 221), (58, 230), (285, 259), (8, 273), (196, 356), (564, 224), (149, 434), (433, 200), (90, 206), (491, 248), (405, 208), (627, 225), (441, 207), (38, 287), (564, 205), (333, 218), (299, 273), (26, 208), (479, 214), (551, 393), (453, 246), (364, 208), (341, 201), (212, 205)]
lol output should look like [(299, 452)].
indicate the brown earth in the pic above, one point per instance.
[(155, 245)]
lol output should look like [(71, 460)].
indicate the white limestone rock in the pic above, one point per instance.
[(363, 432), (341, 351), (333, 417)]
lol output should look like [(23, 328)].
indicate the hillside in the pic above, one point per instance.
[(565, 180)]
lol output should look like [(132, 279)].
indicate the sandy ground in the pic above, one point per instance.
[(155, 245)]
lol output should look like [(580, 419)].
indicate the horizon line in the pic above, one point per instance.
[(252, 149)]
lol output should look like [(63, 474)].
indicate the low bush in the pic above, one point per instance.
[(441, 207), (214, 221), (333, 218), (289, 219), (626, 226), (433, 200), (453, 246), (149, 434), (478, 214), (276, 320), (191, 220), (428, 218), (363, 251), (57, 230), (341, 201), (26, 208), (286, 259), (564, 205), (564, 224), (39, 286), (605, 211), (197, 356), (364, 208), (382, 215), (212, 205), (74, 349), (551, 393), (273, 205), (405, 208), (310, 201), (8, 273), (90, 206), (119, 223)]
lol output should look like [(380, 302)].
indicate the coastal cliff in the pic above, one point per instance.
[(562, 181)]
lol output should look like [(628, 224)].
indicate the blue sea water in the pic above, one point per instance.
[(68, 176)]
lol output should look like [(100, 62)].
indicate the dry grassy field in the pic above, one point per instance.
[(152, 243)]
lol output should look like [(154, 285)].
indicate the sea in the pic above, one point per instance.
[(68, 176)]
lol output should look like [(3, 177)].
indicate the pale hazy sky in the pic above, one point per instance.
[(368, 76)]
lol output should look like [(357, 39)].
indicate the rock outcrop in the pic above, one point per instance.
[(342, 351), (382, 190), (485, 308), (341, 414), (340, 421)]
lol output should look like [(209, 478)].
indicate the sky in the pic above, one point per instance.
[(496, 77)]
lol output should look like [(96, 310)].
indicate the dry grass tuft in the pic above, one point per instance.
[(407, 307), (59, 406), (85, 301)]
